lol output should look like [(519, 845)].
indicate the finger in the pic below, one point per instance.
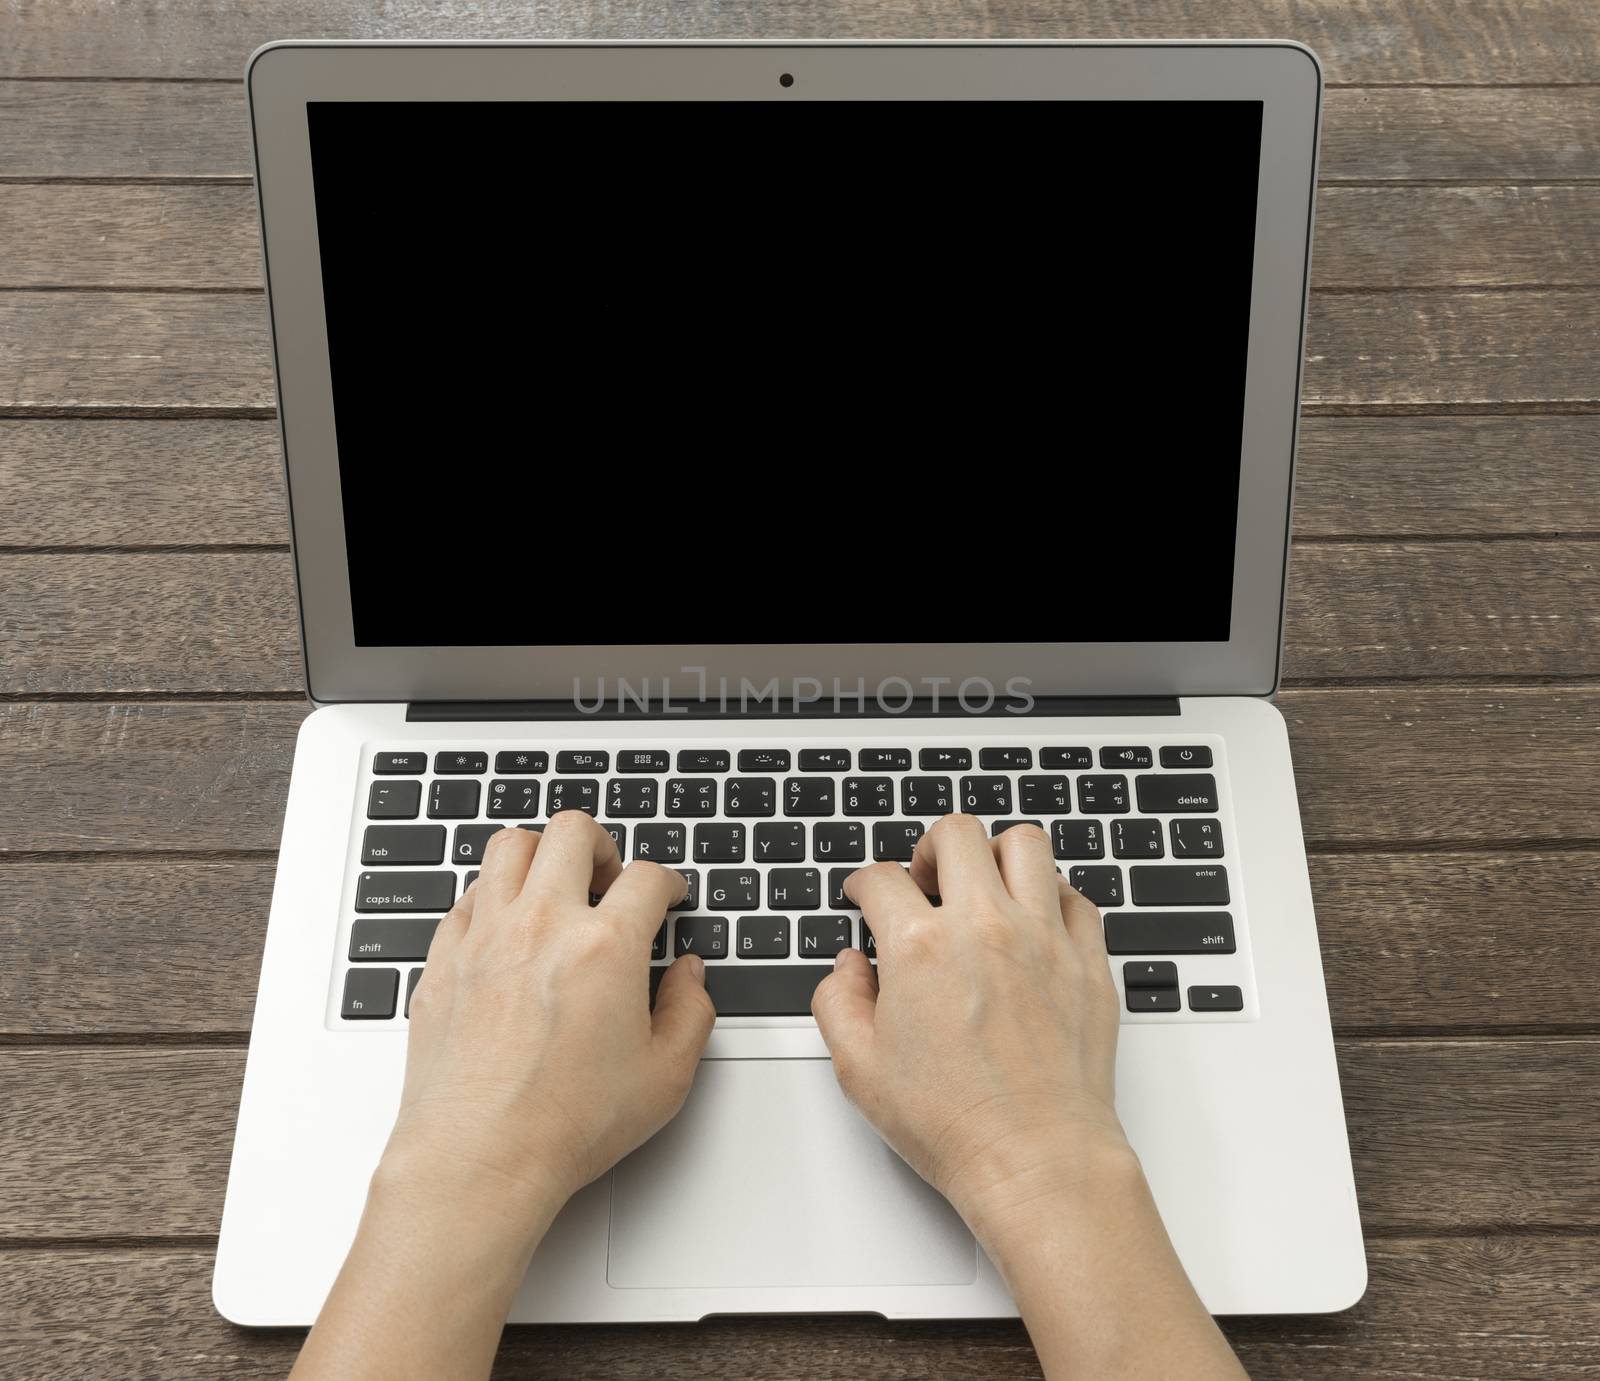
[(453, 928), (640, 897), (684, 1015), (575, 857), (506, 858), (845, 1005), (954, 860), (883, 892), (1082, 920), (1028, 867)]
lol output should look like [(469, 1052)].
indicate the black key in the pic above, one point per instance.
[(411, 987), (808, 796), (868, 796), (733, 889), (927, 795), (824, 759), (837, 901), (1005, 759), (406, 891), (691, 796), (1169, 932), (469, 842), (1125, 757), (631, 798), (1187, 755), (394, 800), (751, 796), (986, 795), (885, 759), (392, 938), (658, 946), (763, 937), (1078, 838), (719, 843), (1104, 795), (763, 759), (1181, 793), (1047, 795), (403, 844), (691, 898), (453, 800), (822, 937), (1153, 1000), (945, 760), (1202, 885), (1102, 886), (583, 760), (518, 761), (839, 841), (1197, 839), (706, 936), (997, 827), (644, 760), (702, 760), (661, 843), (619, 837), (460, 764), (1222, 998), (759, 990), (470, 878), (511, 799), (1136, 839), (399, 764), (780, 841), (1075, 758), (794, 889), (369, 994), (869, 946), (575, 793), (1150, 973), (894, 840)]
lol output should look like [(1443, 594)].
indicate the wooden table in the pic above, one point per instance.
[(1443, 662)]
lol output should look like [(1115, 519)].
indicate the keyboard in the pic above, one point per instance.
[(765, 837)]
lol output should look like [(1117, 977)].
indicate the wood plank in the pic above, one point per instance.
[(187, 236), (169, 352), (226, 621), (144, 1134), (1410, 942), (1442, 1309), (1377, 768), (1375, 41), (158, 482), (136, 129)]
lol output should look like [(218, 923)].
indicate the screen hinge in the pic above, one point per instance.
[(1064, 706)]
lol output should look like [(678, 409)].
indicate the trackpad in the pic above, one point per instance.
[(769, 1177)]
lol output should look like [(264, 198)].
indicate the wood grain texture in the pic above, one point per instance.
[(1389, 766), (186, 236), (1439, 942), (1370, 41), (204, 353), (1495, 1308), (227, 621), (159, 482), (143, 1136), (134, 129)]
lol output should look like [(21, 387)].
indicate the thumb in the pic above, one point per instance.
[(845, 1005), (682, 1020)]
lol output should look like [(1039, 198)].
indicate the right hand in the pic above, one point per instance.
[(984, 1048)]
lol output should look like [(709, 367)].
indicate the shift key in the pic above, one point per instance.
[(406, 891), (1169, 932)]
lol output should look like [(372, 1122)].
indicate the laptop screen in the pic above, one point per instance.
[(787, 372)]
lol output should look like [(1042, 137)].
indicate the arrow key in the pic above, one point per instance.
[(1150, 973), (1220, 998), (1154, 1000)]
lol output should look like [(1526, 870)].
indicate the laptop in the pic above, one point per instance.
[(768, 448)]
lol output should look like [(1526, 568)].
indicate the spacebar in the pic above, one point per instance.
[(762, 990)]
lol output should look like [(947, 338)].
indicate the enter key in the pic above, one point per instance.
[(1204, 884)]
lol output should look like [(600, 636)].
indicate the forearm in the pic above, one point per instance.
[(1098, 1284), (429, 1279)]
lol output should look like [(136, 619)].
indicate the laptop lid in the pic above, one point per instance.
[(698, 366)]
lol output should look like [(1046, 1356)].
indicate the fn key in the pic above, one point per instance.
[(369, 994)]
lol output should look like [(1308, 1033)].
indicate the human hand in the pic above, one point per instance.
[(984, 1049), (534, 1062)]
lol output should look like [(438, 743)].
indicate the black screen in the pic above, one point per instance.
[(782, 372)]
